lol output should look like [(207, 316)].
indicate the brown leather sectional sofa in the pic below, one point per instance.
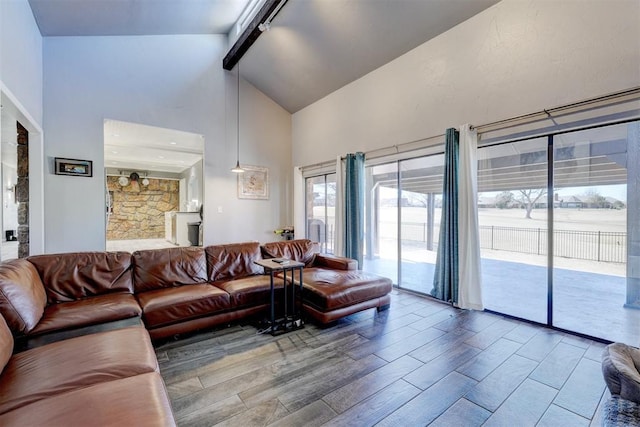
[(105, 379), (72, 375)]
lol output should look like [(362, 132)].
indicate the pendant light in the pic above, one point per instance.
[(238, 168)]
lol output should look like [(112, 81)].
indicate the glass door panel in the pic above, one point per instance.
[(512, 213), (316, 208), (596, 203), (419, 203), (381, 221), (330, 221)]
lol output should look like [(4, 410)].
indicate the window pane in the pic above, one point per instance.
[(594, 208), (316, 210), (330, 220), (321, 207), (512, 202), (420, 202), (381, 223)]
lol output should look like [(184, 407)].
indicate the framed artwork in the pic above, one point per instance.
[(73, 167), (253, 183)]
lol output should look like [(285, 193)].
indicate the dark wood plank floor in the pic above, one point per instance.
[(419, 363)]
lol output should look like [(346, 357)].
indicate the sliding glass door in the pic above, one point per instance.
[(403, 216), (559, 225), (320, 206), (596, 220), (381, 221), (420, 202), (560, 230), (512, 213)]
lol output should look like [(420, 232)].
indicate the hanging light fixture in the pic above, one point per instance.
[(123, 180), (238, 168), (134, 177)]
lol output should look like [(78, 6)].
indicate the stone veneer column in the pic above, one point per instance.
[(633, 215), (22, 191)]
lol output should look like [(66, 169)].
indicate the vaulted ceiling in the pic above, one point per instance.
[(314, 47)]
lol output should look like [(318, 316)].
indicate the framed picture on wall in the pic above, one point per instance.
[(73, 167), (253, 183)]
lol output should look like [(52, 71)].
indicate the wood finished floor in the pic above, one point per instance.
[(419, 363)]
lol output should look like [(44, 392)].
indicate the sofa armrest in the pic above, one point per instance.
[(335, 262)]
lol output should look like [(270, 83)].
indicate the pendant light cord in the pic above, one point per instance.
[(237, 168)]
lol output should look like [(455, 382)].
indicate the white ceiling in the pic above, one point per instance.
[(132, 147), (314, 47)]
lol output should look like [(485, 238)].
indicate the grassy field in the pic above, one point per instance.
[(564, 219)]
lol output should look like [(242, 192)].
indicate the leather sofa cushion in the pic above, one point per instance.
[(6, 344), (75, 363), (233, 261), (251, 291), (332, 289), (89, 311), (139, 401), (166, 268), (22, 295), (335, 262), (302, 250), (172, 305), (72, 276)]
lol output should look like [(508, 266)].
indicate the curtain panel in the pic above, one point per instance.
[(354, 207), (445, 279), (339, 233), (470, 274)]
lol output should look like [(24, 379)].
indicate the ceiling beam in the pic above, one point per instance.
[(267, 12)]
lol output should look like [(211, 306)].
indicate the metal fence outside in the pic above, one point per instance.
[(603, 246)]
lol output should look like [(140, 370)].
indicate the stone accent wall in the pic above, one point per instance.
[(22, 191), (138, 211)]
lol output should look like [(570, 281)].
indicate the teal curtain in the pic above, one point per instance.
[(354, 207), (445, 280)]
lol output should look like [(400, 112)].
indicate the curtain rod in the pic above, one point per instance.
[(549, 112), (499, 124), (397, 149)]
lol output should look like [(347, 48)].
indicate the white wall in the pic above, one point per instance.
[(173, 82), (21, 55), (21, 70), (265, 140), (515, 58)]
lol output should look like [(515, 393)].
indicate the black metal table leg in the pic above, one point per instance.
[(273, 313), (284, 293)]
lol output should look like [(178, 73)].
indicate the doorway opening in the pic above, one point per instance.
[(153, 187), (9, 176), (21, 175)]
